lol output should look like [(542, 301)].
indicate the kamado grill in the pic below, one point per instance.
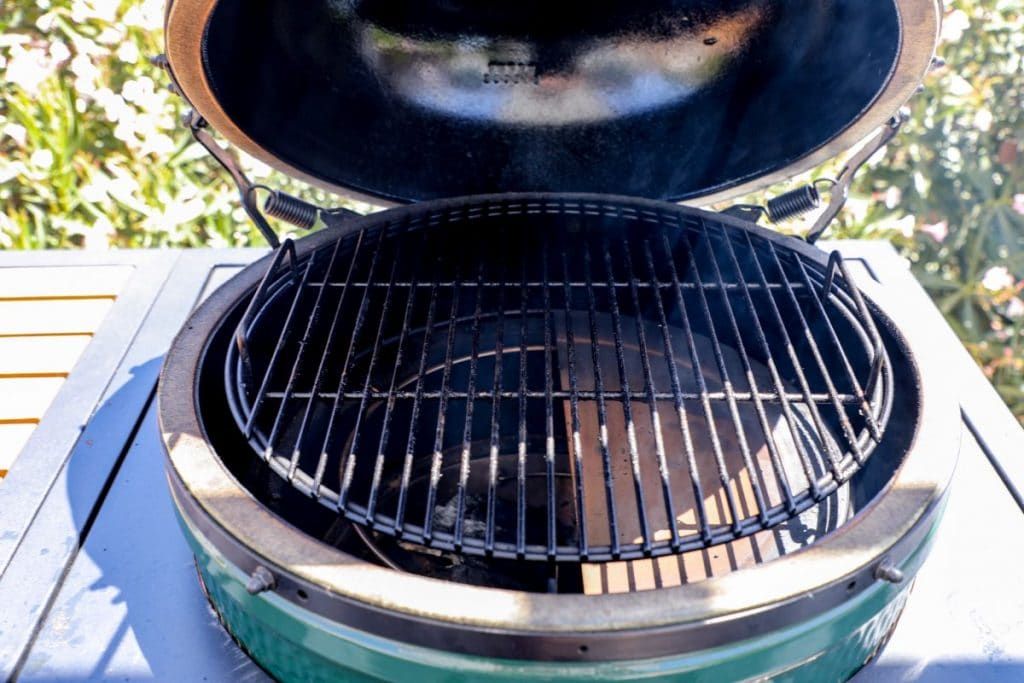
[(571, 430)]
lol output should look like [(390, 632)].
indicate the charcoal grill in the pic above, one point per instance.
[(462, 426), (454, 409)]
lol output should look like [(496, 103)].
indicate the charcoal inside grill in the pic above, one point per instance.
[(556, 385)]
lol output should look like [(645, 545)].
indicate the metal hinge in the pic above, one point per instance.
[(807, 197), (279, 205)]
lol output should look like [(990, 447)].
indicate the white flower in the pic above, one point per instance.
[(88, 47), (103, 10), (125, 131), (47, 21), (96, 189), (110, 35), (27, 69), (59, 52), (83, 67), (921, 183), (16, 132), (86, 87), (148, 15), (1015, 309), (98, 236), (954, 25), (114, 106), (257, 168), (997, 279), (857, 208), (959, 86), (6, 228), (87, 75), (10, 171), (983, 120), (157, 144), (893, 197), (128, 52), (41, 158), (906, 225), (123, 187)]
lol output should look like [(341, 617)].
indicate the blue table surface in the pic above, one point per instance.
[(129, 606)]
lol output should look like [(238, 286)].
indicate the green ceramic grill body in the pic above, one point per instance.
[(295, 645)]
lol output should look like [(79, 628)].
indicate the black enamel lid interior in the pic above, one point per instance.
[(407, 100)]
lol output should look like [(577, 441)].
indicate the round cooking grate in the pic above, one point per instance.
[(559, 380)]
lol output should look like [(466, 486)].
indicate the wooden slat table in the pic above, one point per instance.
[(48, 315)]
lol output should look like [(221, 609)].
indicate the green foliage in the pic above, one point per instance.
[(956, 176), (91, 155)]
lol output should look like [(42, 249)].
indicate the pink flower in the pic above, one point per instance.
[(1018, 203), (939, 231)]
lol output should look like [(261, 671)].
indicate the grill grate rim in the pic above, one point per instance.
[(645, 301)]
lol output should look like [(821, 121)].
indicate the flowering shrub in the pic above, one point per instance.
[(91, 151), (92, 156)]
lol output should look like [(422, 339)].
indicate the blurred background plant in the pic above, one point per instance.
[(92, 156)]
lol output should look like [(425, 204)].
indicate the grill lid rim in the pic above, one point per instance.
[(185, 28)]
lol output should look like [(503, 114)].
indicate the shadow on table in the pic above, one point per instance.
[(131, 606)]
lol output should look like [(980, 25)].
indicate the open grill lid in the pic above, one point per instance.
[(406, 100)]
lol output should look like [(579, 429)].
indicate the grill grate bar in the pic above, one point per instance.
[(815, 350), (549, 410), (286, 330), (678, 402), (730, 399), (389, 408), (698, 374), (321, 465), (350, 354), (537, 284), (602, 411), (524, 298), (494, 449), (652, 402), (858, 390), (819, 424), (274, 430), (879, 361), (297, 452), (583, 394), (421, 398), (773, 369), (442, 415), (627, 407), (414, 421), (307, 411), (574, 413), (467, 431), (357, 432), (805, 459), (762, 416)]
